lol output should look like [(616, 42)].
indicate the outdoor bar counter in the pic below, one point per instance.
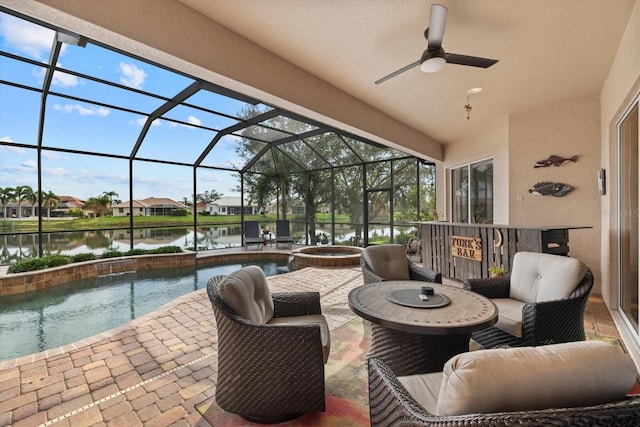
[(461, 251)]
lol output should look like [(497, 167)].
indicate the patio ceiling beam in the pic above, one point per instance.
[(180, 97), (234, 128)]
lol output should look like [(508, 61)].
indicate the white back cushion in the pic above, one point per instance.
[(388, 261), (539, 277), (575, 374), (247, 293)]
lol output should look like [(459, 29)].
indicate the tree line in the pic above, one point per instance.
[(23, 194)]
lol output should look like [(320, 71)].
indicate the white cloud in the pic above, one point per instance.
[(83, 111), (25, 37), (132, 76), (64, 79), (16, 150), (194, 120), (142, 120), (30, 164), (50, 155), (55, 171)]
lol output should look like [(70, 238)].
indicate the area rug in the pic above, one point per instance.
[(346, 386), (346, 389)]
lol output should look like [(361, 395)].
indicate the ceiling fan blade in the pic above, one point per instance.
[(472, 61), (436, 26), (400, 71)]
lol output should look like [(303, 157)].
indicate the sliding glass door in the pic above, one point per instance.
[(628, 229)]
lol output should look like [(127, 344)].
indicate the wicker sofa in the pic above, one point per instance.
[(570, 384), (390, 262), (542, 301), (271, 348)]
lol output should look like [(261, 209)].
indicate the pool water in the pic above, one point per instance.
[(52, 317)]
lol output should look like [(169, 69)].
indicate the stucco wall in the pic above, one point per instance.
[(491, 141), (516, 142), (621, 87), (565, 130)]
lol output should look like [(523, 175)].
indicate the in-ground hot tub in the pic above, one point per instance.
[(325, 256)]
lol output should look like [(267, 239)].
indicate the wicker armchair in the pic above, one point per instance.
[(392, 404), (535, 320), (270, 372), (390, 262)]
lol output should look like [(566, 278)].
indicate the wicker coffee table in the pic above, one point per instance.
[(419, 340)]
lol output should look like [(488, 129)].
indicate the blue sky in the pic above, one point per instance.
[(76, 125)]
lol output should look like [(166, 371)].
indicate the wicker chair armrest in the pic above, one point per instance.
[(557, 321), (493, 287), (389, 402), (296, 303), (424, 274), (368, 276)]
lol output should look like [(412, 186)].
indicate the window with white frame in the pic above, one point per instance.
[(472, 192)]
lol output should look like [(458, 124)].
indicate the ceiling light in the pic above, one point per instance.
[(432, 61), (474, 90)]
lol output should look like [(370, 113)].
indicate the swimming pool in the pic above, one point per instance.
[(52, 317)]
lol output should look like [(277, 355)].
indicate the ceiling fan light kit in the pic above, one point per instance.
[(432, 62), (434, 58)]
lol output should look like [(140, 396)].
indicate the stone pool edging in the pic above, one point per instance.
[(311, 256), (39, 279)]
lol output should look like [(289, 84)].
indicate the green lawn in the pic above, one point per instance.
[(110, 222)]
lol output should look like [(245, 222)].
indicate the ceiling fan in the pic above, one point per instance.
[(434, 57)]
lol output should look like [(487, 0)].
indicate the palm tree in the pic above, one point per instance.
[(6, 194), (23, 193), (49, 200)]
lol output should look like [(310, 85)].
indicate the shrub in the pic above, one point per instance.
[(56, 260), (133, 252), (179, 212), (113, 253), (83, 257), (39, 263), (167, 250)]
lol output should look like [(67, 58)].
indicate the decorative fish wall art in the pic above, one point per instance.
[(554, 160), (550, 189)]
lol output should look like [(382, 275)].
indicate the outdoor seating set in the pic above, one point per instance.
[(535, 367), (254, 237)]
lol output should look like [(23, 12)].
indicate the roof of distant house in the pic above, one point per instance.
[(228, 201), (150, 202)]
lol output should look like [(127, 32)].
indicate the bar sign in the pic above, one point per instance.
[(466, 247)]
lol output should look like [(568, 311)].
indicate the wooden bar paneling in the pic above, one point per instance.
[(499, 244)]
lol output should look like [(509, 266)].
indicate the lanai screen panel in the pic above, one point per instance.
[(175, 142), (332, 148), (19, 125), (88, 127), (232, 152)]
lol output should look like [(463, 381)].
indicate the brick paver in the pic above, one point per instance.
[(152, 370)]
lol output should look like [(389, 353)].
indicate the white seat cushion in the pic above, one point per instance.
[(424, 389), (388, 261), (247, 293), (539, 277), (575, 374), (312, 319), (509, 315)]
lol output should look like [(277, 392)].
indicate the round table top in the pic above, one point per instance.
[(466, 312)]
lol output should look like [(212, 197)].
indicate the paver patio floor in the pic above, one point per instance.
[(152, 370)]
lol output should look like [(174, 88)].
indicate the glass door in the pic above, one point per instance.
[(628, 230)]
